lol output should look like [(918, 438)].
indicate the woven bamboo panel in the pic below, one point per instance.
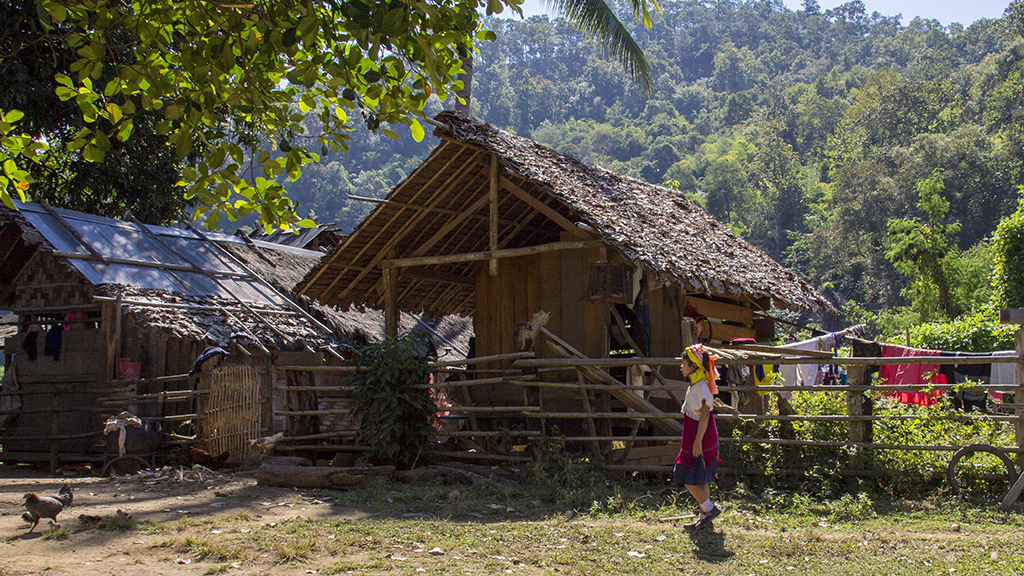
[(231, 413)]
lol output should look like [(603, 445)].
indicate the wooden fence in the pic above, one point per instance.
[(488, 423)]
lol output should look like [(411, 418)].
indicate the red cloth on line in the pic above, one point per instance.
[(901, 374)]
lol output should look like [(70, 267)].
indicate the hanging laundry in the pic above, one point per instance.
[(973, 397), (30, 344), (1003, 373), (801, 374), (907, 374), (53, 342)]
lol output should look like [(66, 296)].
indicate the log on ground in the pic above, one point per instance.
[(319, 476)]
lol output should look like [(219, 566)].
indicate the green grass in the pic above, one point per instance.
[(57, 534), (764, 531)]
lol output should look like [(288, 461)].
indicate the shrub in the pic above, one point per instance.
[(395, 417), (975, 333)]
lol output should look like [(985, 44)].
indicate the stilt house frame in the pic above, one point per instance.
[(500, 227), (149, 299)]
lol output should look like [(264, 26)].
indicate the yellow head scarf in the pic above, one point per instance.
[(695, 353)]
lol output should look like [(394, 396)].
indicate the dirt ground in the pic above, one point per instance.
[(90, 551)]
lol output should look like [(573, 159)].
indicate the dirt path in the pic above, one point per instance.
[(89, 551)]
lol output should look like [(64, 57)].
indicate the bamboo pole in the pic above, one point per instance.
[(667, 423), (481, 359), (464, 383), (624, 362), (837, 388), (316, 388), (769, 417), (451, 409), (149, 304)]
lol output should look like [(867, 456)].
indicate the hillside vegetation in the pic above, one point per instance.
[(874, 156)]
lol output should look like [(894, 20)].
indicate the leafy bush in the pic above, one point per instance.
[(1009, 252), (395, 417), (976, 333)]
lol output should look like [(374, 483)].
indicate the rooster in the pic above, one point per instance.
[(47, 506)]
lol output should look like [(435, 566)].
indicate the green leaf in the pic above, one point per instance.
[(114, 113), (13, 116), (417, 131), (212, 220)]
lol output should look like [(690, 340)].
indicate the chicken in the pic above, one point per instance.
[(47, 506), (265, 444), (204, 458), (208, 360)]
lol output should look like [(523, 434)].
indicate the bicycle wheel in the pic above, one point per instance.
[(967, 474)]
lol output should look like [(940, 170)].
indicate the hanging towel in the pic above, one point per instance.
[(1003, 373), (904, 374), (801, 374)]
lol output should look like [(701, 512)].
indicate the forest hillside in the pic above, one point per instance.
[(874, 156)]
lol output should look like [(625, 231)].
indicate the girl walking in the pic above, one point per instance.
[(697, 463)]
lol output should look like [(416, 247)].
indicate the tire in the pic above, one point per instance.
[(126, 464), (951, 476)]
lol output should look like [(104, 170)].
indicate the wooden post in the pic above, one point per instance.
[(390, 276), (1016, 316), (492, 199), (1018, 398), (856, 376)]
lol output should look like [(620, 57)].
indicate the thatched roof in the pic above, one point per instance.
[(672, 236)]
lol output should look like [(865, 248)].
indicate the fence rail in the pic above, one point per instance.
[(531, 373)]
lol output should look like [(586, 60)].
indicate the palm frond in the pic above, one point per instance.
[(597, 20)]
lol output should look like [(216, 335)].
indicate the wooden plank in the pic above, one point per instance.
[(726, 332), (595, 316), (672, 312), (572, 299), (520, 277), (506, 307), (489, 254), (722, 311), (659, 328), (550, 280), (1011, 496), (482, 315), (1019, 397), (533, 280), (653, 455)]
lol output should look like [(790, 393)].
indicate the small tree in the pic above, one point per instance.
[(395, 417), (1008, 279), (921, 251)]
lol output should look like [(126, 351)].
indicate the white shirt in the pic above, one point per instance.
[(697, 394)]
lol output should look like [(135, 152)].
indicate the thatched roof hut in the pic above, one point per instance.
[(485, 194)]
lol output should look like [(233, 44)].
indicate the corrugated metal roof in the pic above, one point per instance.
[(120, 240)]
